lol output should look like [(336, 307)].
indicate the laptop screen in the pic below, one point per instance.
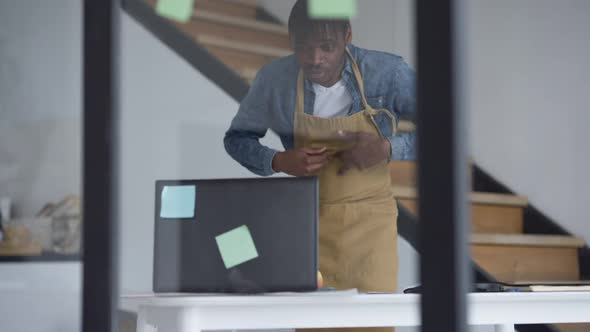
[(236, 235)]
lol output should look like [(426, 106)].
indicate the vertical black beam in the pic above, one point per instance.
[(442, 167), (100, 101)]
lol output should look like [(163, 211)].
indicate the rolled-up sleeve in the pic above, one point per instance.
[(403, 144), (242, 140)]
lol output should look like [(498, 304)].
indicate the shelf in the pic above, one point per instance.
[(47, 257)]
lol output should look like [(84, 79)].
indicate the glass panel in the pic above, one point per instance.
[(527, 89), (229, 113), (40, 165)]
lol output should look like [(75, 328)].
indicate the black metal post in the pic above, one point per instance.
[(442, 166), (99, 213)]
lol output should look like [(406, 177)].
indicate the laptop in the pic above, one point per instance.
[(250, 235)]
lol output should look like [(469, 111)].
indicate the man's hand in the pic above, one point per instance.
[(368, 150), (300, 162)]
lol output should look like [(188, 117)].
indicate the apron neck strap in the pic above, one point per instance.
[(359, 79), (300, 106)]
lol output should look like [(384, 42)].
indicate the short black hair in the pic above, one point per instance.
[(301, 25)]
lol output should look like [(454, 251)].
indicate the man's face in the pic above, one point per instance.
[(321, 55)]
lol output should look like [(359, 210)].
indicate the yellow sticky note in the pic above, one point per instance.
[(236, 246), (179, 10), (332, 9)]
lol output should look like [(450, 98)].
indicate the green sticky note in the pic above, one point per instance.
[(179, 10), (332, 9), (178, 202), (236, 246)]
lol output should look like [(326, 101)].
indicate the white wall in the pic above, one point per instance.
[(40, 135), (40, 96), (529, 84)]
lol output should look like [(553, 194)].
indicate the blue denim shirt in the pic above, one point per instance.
[(270, 104)]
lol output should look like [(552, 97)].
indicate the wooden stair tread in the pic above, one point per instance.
[(248, 73), (238, 6), (475, 197), (499, 199), (406, 126), (240, 22), (527, 240), (494, 219), (512, 263), (246, 9), (249, 3), (552, 282), (403, 172), (245, 3), (242, 47), (573, 327)]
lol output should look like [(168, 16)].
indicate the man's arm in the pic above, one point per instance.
[(251, 123), (403, 145), (370, 149), (248, 126)]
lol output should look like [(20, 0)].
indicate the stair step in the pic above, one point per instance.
[(248, 74), (235, 8), (239, 9), (575, 327), (486, 218), (531, 240), (513, 258), (237, 60), (404, 172), (475, 197), (246, 31), (406, 126), (245, 23), (268, 51), (240, 56), (490, 213)]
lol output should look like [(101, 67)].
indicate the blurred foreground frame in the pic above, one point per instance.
[(100, 102)]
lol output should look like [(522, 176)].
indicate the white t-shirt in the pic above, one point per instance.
[(331, 102)]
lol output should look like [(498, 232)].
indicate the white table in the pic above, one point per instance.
[(197, 313)]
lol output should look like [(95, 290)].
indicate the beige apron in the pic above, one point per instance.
[(358, 214)]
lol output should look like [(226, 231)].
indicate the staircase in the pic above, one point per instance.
[(230, 30), (498, 242)]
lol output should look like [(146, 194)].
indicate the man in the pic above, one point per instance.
[(335, 108)]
